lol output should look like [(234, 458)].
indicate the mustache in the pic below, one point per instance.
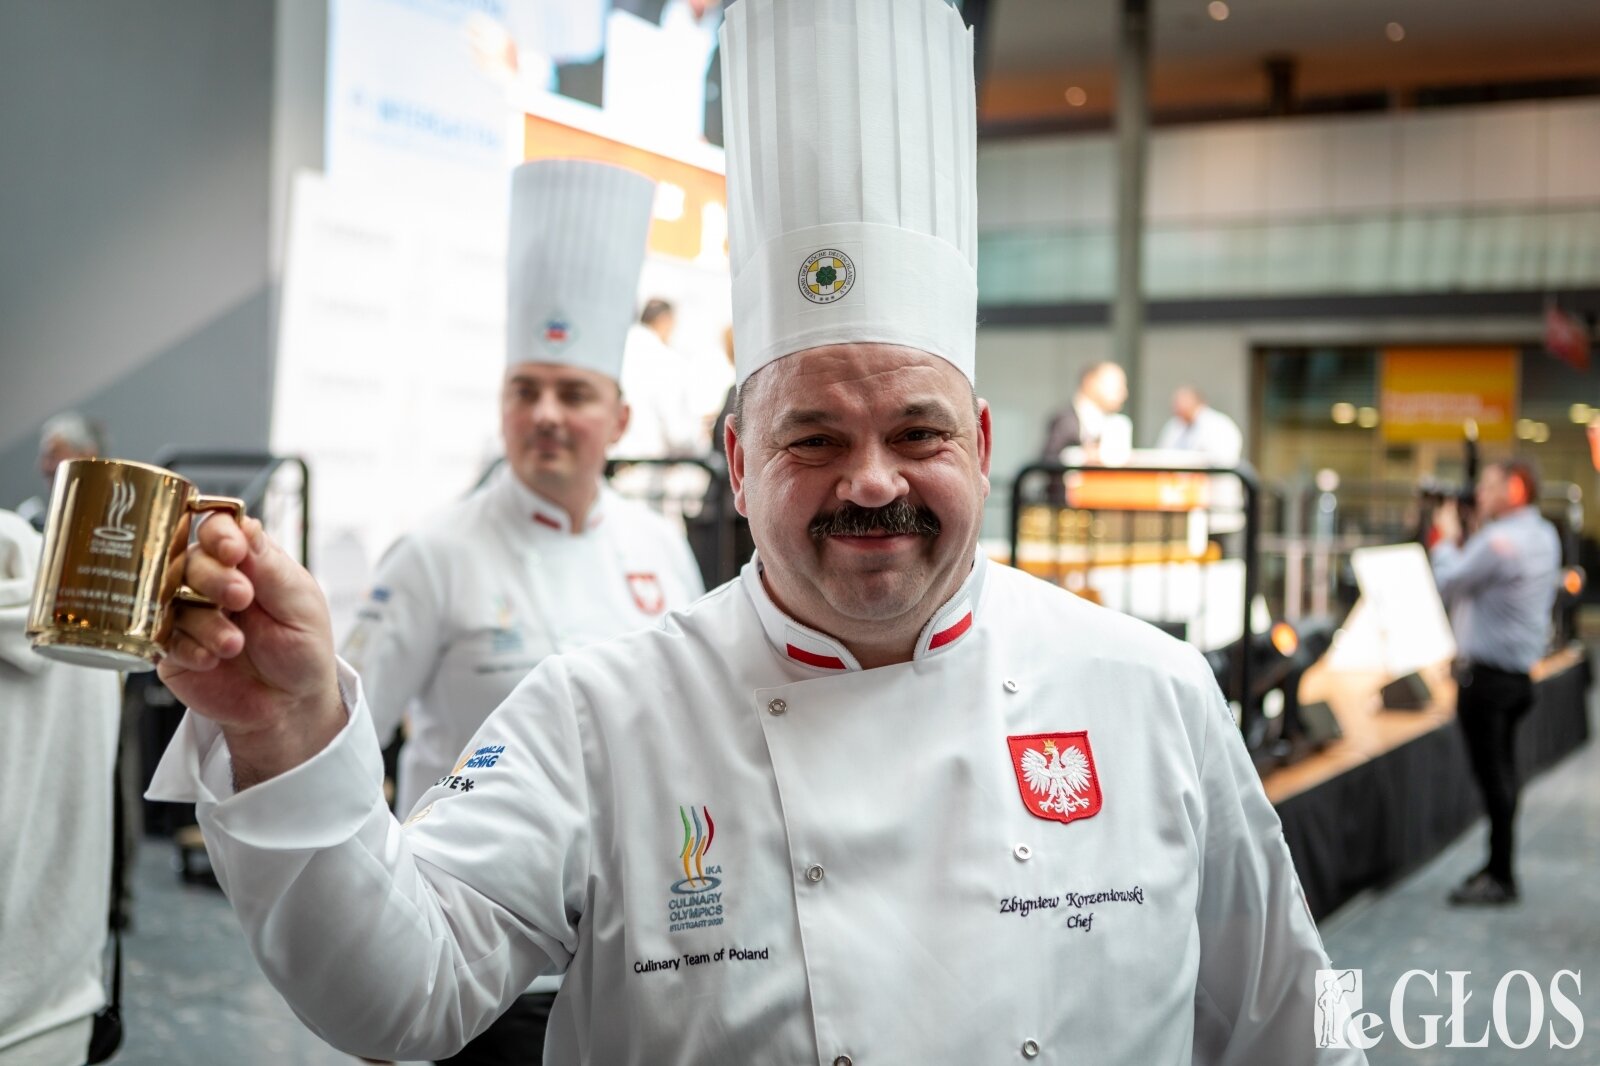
[(899, 517)]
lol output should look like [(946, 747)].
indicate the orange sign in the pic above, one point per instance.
[(1122, 489), (1430, 393), (691, 202)]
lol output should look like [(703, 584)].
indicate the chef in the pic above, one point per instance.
[(876, 801), (545, 557)]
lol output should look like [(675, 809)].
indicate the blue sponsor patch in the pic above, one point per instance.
[(486, 756), (380, 594)]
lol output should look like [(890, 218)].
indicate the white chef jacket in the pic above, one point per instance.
[(463, 608), (58, 752), (742, 848)]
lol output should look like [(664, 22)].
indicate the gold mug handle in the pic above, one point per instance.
[(199, 504)]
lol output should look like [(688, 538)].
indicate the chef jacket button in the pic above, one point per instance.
[(777, 707), (844, 1060), (1010, 685), (814, 874), (1022, 852), (1030, 1049)]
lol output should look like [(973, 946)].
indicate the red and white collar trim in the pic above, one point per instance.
[(814, 648), (528, 507)]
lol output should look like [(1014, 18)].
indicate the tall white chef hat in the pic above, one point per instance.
[(578, 232), (851, 130)]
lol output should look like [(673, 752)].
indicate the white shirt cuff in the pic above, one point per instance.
[(318, 804)]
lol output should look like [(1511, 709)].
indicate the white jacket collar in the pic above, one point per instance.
[(529, 509), (816, 649)]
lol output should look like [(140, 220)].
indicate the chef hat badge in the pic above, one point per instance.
[(851, 129), (577, 244)]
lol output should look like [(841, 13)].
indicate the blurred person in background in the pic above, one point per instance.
[(1092, 421), (1499, 585), (545, 557), (655, 378), (58, 743), (68, 435), (1196, 426), (666, 421)]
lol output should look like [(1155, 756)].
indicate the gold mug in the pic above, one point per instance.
[(112, 569)]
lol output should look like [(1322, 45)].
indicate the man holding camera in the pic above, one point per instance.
[(1500, 586)]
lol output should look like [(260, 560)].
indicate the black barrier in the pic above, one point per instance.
[(246, 475), (718, 535), (1054, 475)]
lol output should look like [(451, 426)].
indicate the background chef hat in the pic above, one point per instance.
[(577, 242), (851, 130)]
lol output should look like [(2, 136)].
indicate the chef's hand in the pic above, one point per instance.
[(1447, 522), (263, 667)]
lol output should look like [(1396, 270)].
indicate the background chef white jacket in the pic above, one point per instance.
[(58, 749), (852, 878), (463, 608)]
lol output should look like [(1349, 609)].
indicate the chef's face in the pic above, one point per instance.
[(557, 422), (863, 469)]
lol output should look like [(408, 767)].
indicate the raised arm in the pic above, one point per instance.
[(383, 946)]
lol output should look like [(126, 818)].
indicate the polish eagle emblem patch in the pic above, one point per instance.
[(648, 594), (1056, 775)]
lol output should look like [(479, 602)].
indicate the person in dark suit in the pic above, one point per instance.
[(1102, 390)]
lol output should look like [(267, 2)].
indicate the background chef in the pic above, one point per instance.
[(849, 761), (545, 557)]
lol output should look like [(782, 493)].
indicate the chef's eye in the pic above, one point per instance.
[(811, 443), (921, 441)]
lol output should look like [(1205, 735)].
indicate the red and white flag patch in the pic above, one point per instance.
[(647, 593), (1056, 775)]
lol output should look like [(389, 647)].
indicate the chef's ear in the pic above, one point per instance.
[(734, 450), (985, 440), (624, 415)]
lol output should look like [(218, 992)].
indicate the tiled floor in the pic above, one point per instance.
[(195, 998), (192, 994), (1555, 927)]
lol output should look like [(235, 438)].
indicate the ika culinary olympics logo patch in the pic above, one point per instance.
[(1056, 775), (826, 276)]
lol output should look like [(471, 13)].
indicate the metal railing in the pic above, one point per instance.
[(718, 535), (1305, 562), (250, 476), (1089, 518)]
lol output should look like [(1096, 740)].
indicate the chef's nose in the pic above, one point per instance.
[(872, 477), (547, 408)]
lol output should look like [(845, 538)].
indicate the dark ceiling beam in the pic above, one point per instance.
[(1279, 308)]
